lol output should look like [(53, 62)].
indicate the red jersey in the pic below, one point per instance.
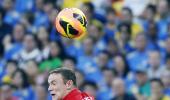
[(78, 95)]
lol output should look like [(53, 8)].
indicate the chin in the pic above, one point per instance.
[(54, 98)]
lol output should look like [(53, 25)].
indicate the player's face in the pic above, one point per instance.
[(57, 88)]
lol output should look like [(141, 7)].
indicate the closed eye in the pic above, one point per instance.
[(52, 83)]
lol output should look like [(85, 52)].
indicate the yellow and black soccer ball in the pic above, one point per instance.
[(71, 23)]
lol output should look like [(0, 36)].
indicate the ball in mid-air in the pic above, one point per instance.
[(71, 23)]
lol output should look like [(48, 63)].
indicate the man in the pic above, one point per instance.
[(6, 92), (62, 86), (90, 88), (155, 69), (157, 88), (118, 86), (142, 84), (139, 57)]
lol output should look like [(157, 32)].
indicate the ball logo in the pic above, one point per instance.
[(68, 28), (80, 18)]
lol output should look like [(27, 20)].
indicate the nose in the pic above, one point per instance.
[(49, 88)]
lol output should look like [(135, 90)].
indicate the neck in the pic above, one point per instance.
[(67, 92)]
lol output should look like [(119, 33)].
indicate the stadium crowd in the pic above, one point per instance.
[(125, 55)]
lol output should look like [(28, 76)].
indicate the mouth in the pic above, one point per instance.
[(52, 94)]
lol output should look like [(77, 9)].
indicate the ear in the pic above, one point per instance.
[(69, 84)]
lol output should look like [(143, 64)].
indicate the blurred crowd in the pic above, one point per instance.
[(125, 55)]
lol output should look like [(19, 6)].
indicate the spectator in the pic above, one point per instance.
[(110, 26), (6, 92), (23, 89), (12, 17), (165, 79), (152, 34), (121, 66), (102, 59), (70, 48), (13, 44), (166, 49), (157, 90), (41, 17), (139, 56), (143, 84), (105, 90), (150, 13), (118, 87), (90, 88), (95, 31), (70, 62), (40, 92), (30, 50), (54, 59), (113, 48), (127, 17), (80, 78), (43, 42), (124, 37), (11, 67), (155, 68), (163, 8), (109, 75), (54, 35), (32, 71), (86, 61)]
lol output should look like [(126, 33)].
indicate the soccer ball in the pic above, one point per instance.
[(71, 23)]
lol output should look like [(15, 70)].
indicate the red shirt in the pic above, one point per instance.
[(76, 94)]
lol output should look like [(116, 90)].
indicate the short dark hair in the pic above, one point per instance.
[(110, 10), (89, 83), (24, 77), (12, 61), (110, 69), (158, 81), (152, 8), (127, 25), (90, 6), (72, 58), (66, 74), (129, 10)]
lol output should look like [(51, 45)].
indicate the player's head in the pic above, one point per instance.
[(61, 82)]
